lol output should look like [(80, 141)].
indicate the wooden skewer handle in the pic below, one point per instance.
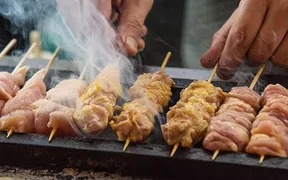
[(7, 48), (213, 73), (253, 83), (165, 61), (22, 61), (81, 77), (52, 60)]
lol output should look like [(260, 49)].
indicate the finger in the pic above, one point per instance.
[(271, 33), (243, 32), (212, 55), (131, 22), (114, 16), (104, 6), (141, 45), (280, 57), (144, 31), (117, 3)]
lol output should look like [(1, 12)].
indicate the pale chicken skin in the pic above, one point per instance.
[(98, 101), (57, 110), (10, 84), (17, 113), (270, 129), (49, 114), (230, 129)]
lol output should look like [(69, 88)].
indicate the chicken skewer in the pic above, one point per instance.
[(99, 101), (7, 48), (17, 113), (188, 120), (148, 94), (270, 128), (128, 140), (77, 90), (229, 128), (10, 82)]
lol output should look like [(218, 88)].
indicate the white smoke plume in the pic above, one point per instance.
[(77, 27)]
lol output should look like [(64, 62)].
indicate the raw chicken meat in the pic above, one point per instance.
[(270, 129), (10, 84), (17, 113), (57, 110), (230, 129)]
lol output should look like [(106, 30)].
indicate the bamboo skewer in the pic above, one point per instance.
[(81, 77), (213, 72), (9, 133), (253, 83), (25, 57), (7, 48), (168, 55)]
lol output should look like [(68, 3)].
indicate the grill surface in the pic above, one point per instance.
[(148, 159)]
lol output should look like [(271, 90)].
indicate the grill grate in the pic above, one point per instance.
[(147, 159)]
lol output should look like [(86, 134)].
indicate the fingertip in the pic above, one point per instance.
[(225, 74), (209, 59), (141, 45), (144, 31), (131, 46), (279, 61), (256, 58)]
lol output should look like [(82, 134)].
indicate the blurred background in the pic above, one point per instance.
[(184, 27)]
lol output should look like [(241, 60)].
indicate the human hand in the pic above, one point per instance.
[(258, 29), (130, 20)]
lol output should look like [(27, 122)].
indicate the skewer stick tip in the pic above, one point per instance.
[(24, 58), (215, 154), (175, 147), (261, 159), (55, 54), (82, 75), (213, 73), (128, 140), (52, 134), (259, 72), (9, 133), (166, 60), (7, 48)]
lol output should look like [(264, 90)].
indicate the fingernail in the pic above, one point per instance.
[(132, 44)]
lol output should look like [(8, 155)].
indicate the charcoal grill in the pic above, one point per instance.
[(147, 159)]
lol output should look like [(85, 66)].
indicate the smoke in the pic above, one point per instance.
[(77, 27)]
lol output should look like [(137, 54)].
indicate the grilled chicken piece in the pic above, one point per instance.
[(188, 120), (230, 129), (98, 101), (138, 89), (136, 120), (10, 84), (17, 113), (270, 129), (57, 110)]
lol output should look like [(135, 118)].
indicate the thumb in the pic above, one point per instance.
[(131, 26)]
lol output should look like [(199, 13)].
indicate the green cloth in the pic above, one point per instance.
[(50, 39)]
